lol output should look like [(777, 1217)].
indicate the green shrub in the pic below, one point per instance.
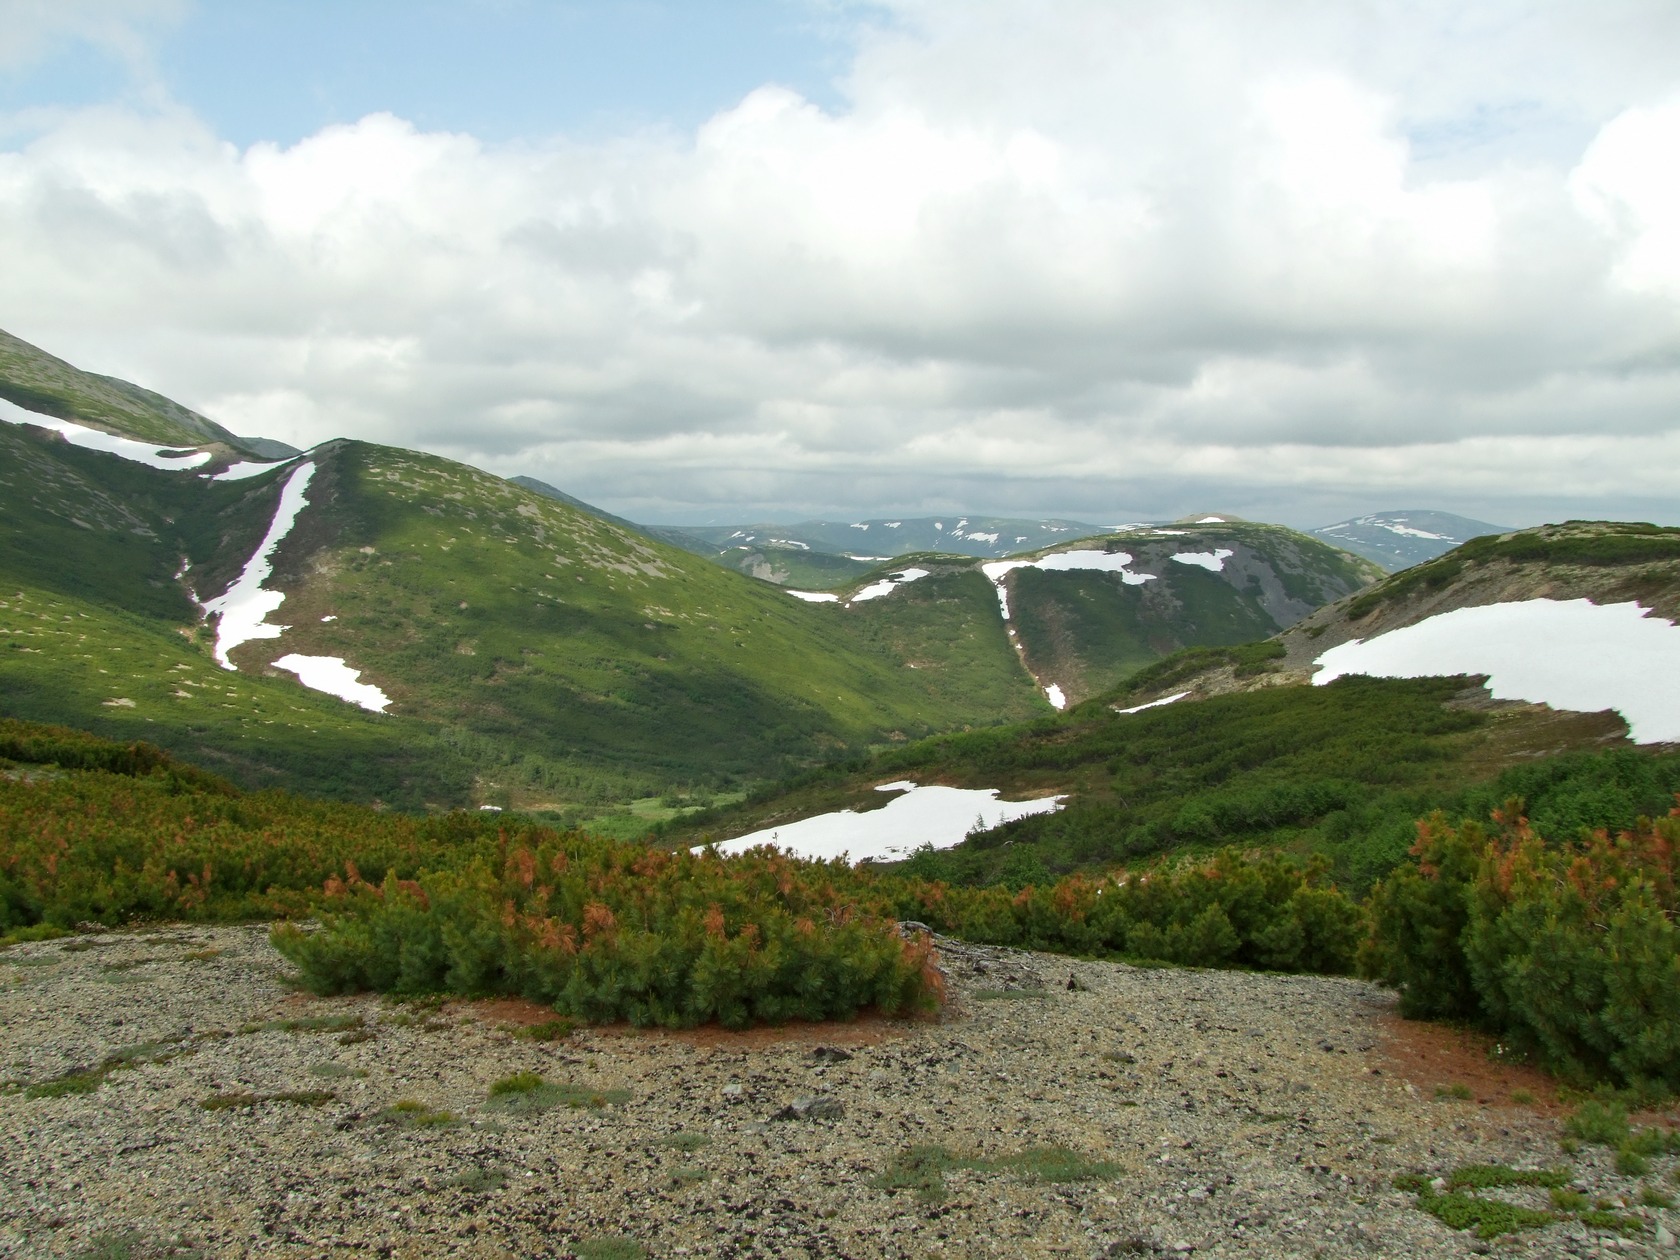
[(1568, 950)]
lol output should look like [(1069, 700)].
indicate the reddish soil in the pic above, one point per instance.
[(1436, 1057)]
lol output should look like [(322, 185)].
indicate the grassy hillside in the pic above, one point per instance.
[(478, 604), (32, 378), (536, 654), (1342, 771)]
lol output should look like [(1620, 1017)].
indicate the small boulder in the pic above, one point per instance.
[(816, 1108)]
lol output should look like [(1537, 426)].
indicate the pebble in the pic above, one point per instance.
[(1226, 1130)]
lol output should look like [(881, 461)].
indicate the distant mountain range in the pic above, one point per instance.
[(365, 621), (1397, 540)]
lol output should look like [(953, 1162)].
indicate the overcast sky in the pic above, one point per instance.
[(789, 258)]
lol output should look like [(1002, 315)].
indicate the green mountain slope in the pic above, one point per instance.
[(534, 654), (32, 378), (1084, 630), (1252, 755)]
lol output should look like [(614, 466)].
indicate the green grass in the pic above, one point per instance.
[(245, 1101), (610, 1247), (526, 1093), (411, 1113)]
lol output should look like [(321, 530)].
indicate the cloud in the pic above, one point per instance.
[(1103, 258)]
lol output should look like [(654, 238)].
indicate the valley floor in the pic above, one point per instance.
[(1215, 1113)]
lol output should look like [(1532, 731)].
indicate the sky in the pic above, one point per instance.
[(780, 259)]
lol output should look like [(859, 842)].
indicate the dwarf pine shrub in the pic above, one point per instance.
[(1569, 950)]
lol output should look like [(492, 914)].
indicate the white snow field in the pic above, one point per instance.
[(1213, 561), (244, 606), (815, 597), (1155, 704), (244, 469), (147, 453), (1063, 561), (1570, 654), (1054, 695), (331, 675), (886, 585), (940, 816)]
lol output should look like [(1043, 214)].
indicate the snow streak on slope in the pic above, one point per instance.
[(150, 454), (1063, 561), (331, 675), (244, 469), (940, 816), (1570, 654), (1213, 561), (244, 606), (885, 586)]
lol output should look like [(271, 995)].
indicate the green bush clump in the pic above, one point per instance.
[(1569, 950), (604, 931), (1233, 909)]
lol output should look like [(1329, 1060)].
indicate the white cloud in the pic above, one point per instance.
[(1101, 257)]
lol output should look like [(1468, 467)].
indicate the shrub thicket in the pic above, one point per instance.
[(1569, 950), (1233, 909), (606, 931)]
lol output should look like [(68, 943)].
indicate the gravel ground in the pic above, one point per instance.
[(1206, 1113)]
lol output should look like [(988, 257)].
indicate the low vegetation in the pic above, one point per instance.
[(1562, 940)]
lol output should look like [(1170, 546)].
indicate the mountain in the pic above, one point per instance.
[(32, 379), (987, 537), (368, 621), (1397, 540), (1542, 664), (1083, 616), (365, 621)]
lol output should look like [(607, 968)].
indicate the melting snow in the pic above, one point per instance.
[(790, 542), (1212, 561), (1155, 704), (148, 453), (1396, 527), (940, 816), (1054, 695), (240, 471), (331, 675), (244, 605), (815, 597), (979, 537), (1570, 654), (859, 525), (877, 589), (1211, 520)]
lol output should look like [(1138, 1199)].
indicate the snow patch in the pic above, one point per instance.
[(1211, 520), (1154, 704), (1570, 654), (1397, 527), (148, 453), (245, 468), (940, 816), (815, 597), (1213, 561), (331, 675), (244, 606), (1054, 695), (887, 584)]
